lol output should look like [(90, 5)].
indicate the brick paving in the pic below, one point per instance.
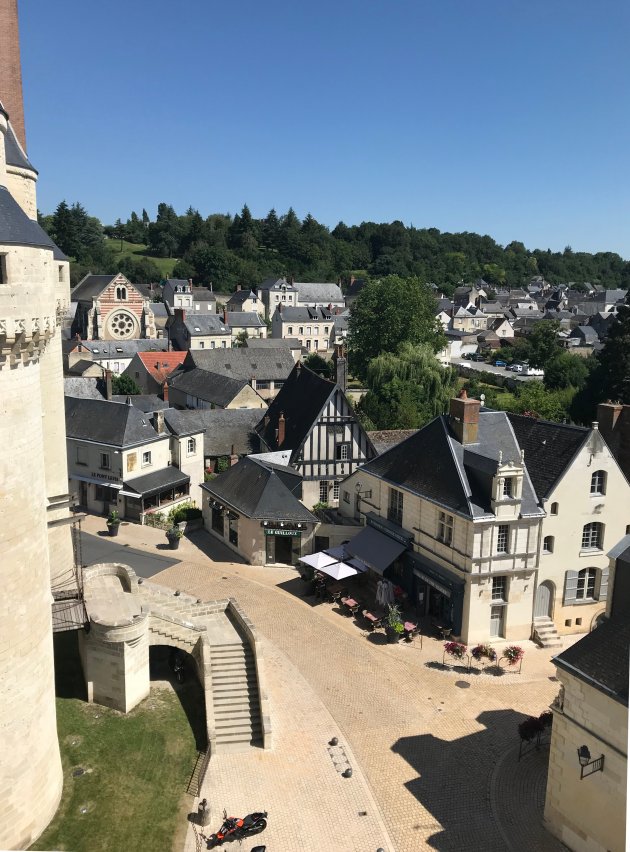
[(428, 741)]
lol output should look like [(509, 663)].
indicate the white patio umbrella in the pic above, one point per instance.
[(318, 560), (339, 570)]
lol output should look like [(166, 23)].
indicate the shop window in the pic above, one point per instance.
[(508, 486), (598, 483), (503, 538), (592, 536), (499, 586), (81, 455), (233, 531), (323, 491), (105, 461), (395, 510), (586, 584), (445, 528)]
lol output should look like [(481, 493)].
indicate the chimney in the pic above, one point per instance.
[(158, 422), (608, 414), (108, 385), (252, 382), (292, 281), (342, 371), (464, 418), (279, 309), (233, 457), (281, 429), (190, 283), (238, 288), (180, 314), (225, 319), (165, 391)]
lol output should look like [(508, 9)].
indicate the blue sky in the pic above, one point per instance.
[(501, 117)]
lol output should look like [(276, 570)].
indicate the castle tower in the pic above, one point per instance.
[(35, 542)]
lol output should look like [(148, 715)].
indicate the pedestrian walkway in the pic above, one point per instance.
[(426, 740)]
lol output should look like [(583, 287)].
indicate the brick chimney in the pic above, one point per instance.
[(233, 456), (464, 418), (281, 429), (165, 391), (108, 385)]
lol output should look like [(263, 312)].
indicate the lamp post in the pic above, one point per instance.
[(596, 765)]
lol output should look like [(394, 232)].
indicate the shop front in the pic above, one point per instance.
[(154, 492), (438, 594), (283, 544)]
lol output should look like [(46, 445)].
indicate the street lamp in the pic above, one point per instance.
[(584, 756)]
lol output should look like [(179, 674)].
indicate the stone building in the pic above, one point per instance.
[(35, 539), (109, 307)]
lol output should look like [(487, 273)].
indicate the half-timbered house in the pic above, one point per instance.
[(312, 418)]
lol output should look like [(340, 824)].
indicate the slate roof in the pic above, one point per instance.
[(433, 464), (202, 294), (161, 366), (260, 490), (211, 387), (385, 439), (91, 286), (549, 448), (586, 333), (82, 388), (114, 423), (14, 153), (273, 364), (17, 229), (200, 325), (601, 659), (240, 296), (275, 283), (147, 402), (222, 428), (244, 319), (273, 343), (304, 314), (116, 348), (301, 400), (156, 481), (315, 292)]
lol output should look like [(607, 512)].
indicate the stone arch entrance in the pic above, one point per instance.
[(190, 691), (543, 604)]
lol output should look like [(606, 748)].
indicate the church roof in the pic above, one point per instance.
[(17, 229), (91, 286)]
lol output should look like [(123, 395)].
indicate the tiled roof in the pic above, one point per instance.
[(17, 229), (272, 364), (259, 490), (104, 422), (301, 400), (222, 428), (199, 325), (315, 292), (244, 319), (211, 387), (601, 659), (162, 365)]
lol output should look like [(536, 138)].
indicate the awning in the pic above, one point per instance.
[(433, 583), (338, 570), (318, 560), (155, 483), (95, 481), (377, 550)]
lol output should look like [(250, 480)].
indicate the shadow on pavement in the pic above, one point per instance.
[(214, 549)]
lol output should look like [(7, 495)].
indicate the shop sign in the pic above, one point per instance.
[(104, 477), (283, 532), (434, 583)]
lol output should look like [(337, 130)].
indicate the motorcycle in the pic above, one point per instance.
[(234, 828)]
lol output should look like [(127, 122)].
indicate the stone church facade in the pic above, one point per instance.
[(109, 307)]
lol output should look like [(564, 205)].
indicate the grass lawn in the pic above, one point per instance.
[(138, 251), (132, 793)]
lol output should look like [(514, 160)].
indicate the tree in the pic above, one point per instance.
[(241, 339), (566, 371), (319, 365), (544, 344), (388, 313), (534, 398), (611, 379), (125, 385)]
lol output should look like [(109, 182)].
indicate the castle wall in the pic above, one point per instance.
[(21, 183)]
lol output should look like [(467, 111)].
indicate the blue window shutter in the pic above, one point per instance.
[(570, 588), (603, 584)]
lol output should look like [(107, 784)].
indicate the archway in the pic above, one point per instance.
[(163, 660), (543, 604)]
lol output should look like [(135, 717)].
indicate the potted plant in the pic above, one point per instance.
[(457, 650), (394, 627), (484, 651), (113, 522), (513, 654), (173, 535)]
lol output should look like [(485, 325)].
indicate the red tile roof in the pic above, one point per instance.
[(160, 365)]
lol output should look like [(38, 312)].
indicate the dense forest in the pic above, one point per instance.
[(227, 250)]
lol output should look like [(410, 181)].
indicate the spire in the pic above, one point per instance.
[(11, 68)]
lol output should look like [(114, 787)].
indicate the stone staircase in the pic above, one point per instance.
[(235, 697), (545, 632)]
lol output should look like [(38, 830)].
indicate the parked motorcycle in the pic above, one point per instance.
[(234, 828)]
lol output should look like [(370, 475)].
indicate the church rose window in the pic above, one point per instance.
[(121, 325)]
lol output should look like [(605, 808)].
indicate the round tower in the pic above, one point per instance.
[(30, 767)]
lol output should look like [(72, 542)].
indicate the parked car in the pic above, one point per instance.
[(518, 368), (500, 363), (478, 357)]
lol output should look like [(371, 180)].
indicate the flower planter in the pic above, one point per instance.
[(112, 529), (393, 636), (173, 542)]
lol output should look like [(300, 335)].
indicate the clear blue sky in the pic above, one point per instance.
[(501, 117)]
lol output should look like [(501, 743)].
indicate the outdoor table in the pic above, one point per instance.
[(444, 631), (351, 604), (373, 618), (411, 630)]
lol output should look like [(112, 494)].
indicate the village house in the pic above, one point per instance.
[(109, 307), (150, 370), (468, 320), (276, 291), (265, 370), (121, 458), (256, 508), (205, 389), (313, 327), (104, 355), (312, 418), (245, 300), (177, 293), (228, 434), (585, 804), (291, 343), (319, 295), (204, 301), (198, 331), (244, 324)]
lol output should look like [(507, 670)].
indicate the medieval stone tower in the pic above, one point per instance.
[(35, 539)]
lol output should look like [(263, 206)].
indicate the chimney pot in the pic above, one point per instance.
[(225, 317), (281, 429), (165, 392), (238, 288)]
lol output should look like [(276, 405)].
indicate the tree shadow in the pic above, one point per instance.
[(453, 778)]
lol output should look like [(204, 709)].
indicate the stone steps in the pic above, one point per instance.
[(235, 697), (546, 633)]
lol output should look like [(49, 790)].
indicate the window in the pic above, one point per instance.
[(212, 344), (592, 538), (223, 344), (197, 306), (548, 544), (342, 452), (121, 294), (335, 490), (202, 345), (233, 530), (325, 329), (4, 272), (323, 491), (508, 486), (290, 330), (554, 509), (60, 272), (498, 589), (191, 446), (586, 584), (395, 510), (301, 330), (502, 538), (598, 482), (104, 461), (308, 329), (81, 455), (346, 496), (146, 458), (445, 528)]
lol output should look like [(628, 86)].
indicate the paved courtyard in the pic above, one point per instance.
[(434, 751)]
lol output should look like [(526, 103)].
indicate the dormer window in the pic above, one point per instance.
[(508, 487)]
